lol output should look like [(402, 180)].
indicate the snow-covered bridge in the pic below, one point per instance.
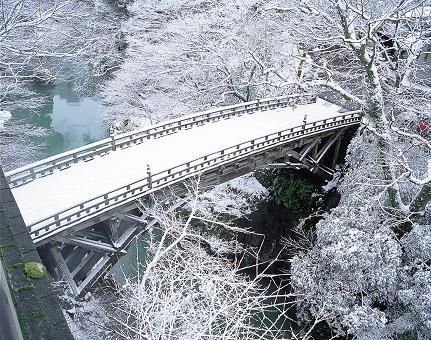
[(65, 199)]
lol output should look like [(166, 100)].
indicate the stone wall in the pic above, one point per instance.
[(36, 304)]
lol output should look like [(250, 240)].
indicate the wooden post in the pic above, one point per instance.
[(112, 135), (150, 180), (113, 225), (304, 122), (315, 150), (336, 151), (61, 263)]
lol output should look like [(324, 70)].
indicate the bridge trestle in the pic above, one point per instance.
[(85, 256)]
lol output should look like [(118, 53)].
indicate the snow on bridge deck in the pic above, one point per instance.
[(46, 196)]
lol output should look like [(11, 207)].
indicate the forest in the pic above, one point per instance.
[(275, 254)]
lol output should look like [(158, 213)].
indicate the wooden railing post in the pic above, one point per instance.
[(150, 180), (304, 122), (112, 135)]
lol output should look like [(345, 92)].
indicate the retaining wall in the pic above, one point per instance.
[(31, 307)]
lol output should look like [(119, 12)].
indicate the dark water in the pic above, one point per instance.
[(128, 265)]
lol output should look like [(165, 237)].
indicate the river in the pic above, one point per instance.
[(71, 121)]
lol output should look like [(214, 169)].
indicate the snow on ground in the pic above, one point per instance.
[(87, 180), (4, 117), (332, 183), (235, 198), (83, 315)]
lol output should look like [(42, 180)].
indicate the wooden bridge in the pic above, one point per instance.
[(80, 206)]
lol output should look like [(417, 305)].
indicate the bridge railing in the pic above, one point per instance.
[(64, 160), (49, 226)]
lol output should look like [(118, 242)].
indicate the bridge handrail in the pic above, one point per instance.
[(64, 160), (188, 169)]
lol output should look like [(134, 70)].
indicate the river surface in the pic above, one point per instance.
[(71, 121)]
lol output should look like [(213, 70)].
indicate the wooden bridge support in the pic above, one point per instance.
[(85, 256), (311, 155), (336, 152)]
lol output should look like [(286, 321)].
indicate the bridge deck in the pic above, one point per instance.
[(46, 196)]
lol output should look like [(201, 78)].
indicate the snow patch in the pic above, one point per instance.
[(83, 316), (4, 117), (236, 197), (332, 183)]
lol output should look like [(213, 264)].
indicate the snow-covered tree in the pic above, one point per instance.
[(370, 55), (192, 285), (38, 40), (37, 37), (184, 56), (368, 281)]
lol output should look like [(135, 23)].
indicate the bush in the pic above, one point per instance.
[(293, 193), (34, 270)]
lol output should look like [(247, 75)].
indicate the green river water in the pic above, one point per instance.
[(71, 120)]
